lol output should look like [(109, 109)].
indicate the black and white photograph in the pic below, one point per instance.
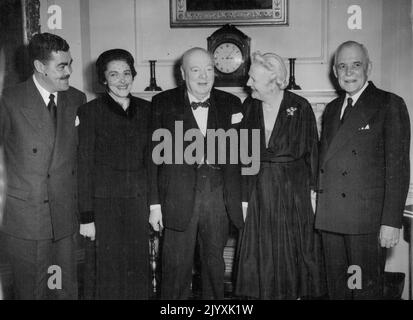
[(216, 152)]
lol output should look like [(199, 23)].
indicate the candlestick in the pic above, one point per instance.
[(152, 84), (291, 84)]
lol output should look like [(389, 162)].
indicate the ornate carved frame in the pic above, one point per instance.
[(31, 18), (181, 17)]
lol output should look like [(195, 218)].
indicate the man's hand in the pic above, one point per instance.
[(88, 230), (155, 219), (389, 236)]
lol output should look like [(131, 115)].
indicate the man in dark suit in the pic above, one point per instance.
[(193, 201), (2, 169), (363, 177), (38, 134)]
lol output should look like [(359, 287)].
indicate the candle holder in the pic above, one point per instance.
[(154, 254), (152, 84), (291, 84)]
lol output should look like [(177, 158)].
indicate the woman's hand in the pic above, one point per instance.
[(88, 230)]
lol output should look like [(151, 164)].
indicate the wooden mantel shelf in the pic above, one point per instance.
[(317, 98), (313, 96)]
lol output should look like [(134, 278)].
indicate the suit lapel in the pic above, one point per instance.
[(219, 117), (335, 123), (331, 122), (365, 108), (186, 111), (37, 115), (212, 122)]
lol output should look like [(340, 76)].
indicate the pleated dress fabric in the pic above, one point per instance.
[(279, 254)]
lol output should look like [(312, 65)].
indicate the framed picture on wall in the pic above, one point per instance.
[(199, 13), (31, 18)]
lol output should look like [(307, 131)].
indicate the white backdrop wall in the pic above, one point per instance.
[(315, 29)]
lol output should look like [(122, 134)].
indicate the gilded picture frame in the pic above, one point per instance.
[(201, 13), (31, 19)]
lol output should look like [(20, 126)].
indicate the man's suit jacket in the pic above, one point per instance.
[(41, 163), (173, 185), (364, 164)]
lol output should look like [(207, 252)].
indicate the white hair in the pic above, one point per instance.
[(274, 64), (352, 43)]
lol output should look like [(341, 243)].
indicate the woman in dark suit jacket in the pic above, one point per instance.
[(112, 176)]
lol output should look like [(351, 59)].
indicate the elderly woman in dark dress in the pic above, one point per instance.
[(279, 251), (112, 177)]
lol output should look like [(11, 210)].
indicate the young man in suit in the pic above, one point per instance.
[(363, 177), (194, 201), (39, 138)]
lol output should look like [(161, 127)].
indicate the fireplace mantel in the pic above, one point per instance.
[(317, 98), (313, 96)]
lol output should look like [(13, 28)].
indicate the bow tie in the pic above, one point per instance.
[(196, 105)]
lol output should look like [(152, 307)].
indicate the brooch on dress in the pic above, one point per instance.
[(291, 111)]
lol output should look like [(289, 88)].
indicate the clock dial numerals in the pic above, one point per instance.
[(230, 49), (227, 57)]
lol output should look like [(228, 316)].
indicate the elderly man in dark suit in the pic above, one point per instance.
[(38, 134), (363, 177), (194, 201)]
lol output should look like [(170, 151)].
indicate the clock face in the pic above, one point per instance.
[(227, 57)]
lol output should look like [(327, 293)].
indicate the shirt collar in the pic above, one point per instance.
[(192, 98), (356, 96), (43, 92)]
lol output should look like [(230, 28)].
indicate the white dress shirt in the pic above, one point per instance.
[(355, 97), (44, 93), (200, 114)]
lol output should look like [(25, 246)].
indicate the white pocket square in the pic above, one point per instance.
[(365, 128), (236, 118), (77, 121)]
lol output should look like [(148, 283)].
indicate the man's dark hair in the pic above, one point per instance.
[(43, 44), (113, 55)]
